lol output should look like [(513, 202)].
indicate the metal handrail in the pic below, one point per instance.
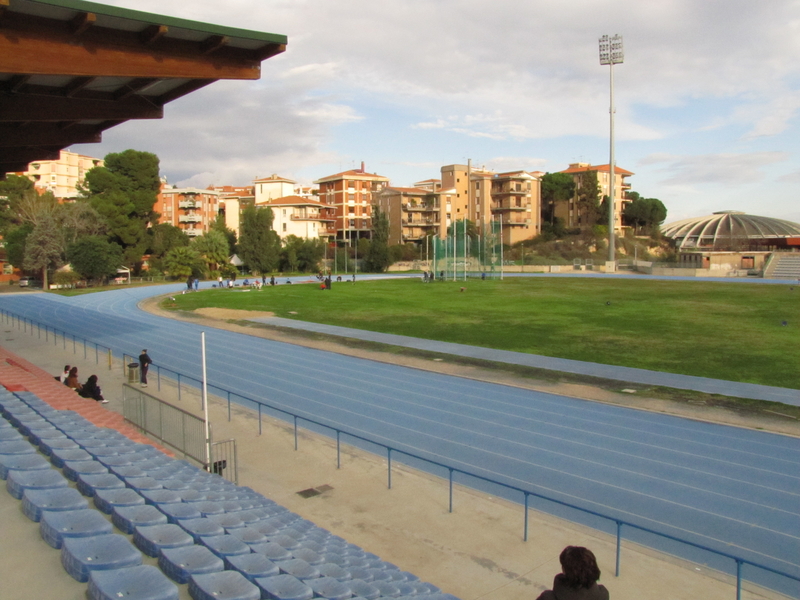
[(260, 404)]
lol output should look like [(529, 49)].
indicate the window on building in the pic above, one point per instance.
[(284, 227)]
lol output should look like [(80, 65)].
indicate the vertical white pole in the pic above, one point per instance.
[(502, 263), (611, 191), (205, 402), (465, 249)]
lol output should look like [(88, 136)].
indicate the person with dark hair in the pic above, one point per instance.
[(72, 380), (91, 390), (144, 363), (578, 577), (63, 377)]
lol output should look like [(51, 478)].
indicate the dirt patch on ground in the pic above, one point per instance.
[(231, 313), (693, 406)]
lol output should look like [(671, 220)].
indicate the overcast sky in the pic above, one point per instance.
[(707, 98)]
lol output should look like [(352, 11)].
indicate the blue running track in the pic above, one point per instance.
[(730, 489)]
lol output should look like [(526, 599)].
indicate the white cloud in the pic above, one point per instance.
[(722, 169)]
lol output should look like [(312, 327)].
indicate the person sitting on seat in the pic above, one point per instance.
[(72, 380), (90, 389), (578, 579)]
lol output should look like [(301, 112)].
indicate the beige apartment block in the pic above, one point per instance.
[(306, 218), (232, 202), (570, 212), (272, 187), (62, 176), (517, 205), (190, 209), (351, 195), (413, 213)]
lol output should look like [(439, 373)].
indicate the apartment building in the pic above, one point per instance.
[(570, 211), (306, 218), (272, 187), (414, 213), (190, 209), (232, 202), (62, 176), (517, 204), (351, 195)]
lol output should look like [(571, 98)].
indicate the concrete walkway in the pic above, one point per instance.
[(624, 374), (475, 553)]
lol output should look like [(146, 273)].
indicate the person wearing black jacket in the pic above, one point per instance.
[(144, 363), (91, 390)]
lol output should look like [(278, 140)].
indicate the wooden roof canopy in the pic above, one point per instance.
[(71, 69)]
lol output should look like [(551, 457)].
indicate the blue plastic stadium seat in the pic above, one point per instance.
[(329, 588), (46, 432), (21, 462), (102, 453), (17, 447), (47, 445), (312, 544), (299, 568), (60, 455), (225, 545), (364, 589), (128, 518), (111, 460), (180, 564), (73, 468), (124, 471), (101, 552), (208, 508), (308, 555), (141, 484), (179, 511), (108, 500), (334, 571), (266, 528), (388, 589), (334, 558), (287, 542), (174, 484), (201, 527), (160, 496), (252, 565), (249, 517), (272, 551), (134, 583), (150, 539), (423, 587), (19, 481), (284, 587), (225, 585), (88, 484), (191, 495), (11, 435), (248, 535), (57, 525), (36, 502)]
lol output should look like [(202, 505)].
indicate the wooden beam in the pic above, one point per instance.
[(268, 51), (49, 53), (214, 43), (76, 85), (182, 90), (47, 134), (152, 34), (3, 8), (134, 87), (16, 83), (19, 107), (81, 22), (24, 156)]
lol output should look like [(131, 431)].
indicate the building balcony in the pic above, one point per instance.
[(188, 204), (193, 232), (522, 207), (420, 208), (190, 219)]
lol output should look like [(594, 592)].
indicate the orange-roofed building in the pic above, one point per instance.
[(190, 209), (351, 194), (232, 201), (413, 213), (570, 211)]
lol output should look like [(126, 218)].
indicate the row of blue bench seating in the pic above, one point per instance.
[(226, 542)]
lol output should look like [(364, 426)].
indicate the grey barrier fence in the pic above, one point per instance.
[(524, 494)]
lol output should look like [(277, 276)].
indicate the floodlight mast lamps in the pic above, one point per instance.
[(611, 53)]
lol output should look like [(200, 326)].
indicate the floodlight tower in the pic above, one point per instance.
[(611, 54)]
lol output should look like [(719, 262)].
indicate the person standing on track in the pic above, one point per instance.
[(144, 363)]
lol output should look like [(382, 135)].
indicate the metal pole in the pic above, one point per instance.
[(619, 544), (338, 451), (611, 110), (295, 432), (738, 580), (451, 490), (525, 532), (389, 451), (205, 400)]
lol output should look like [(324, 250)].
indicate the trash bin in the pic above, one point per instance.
[(133, 372)]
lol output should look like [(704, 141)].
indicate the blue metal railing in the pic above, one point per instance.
[(261, 406)]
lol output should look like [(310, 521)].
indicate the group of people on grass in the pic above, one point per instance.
[(90, 389)]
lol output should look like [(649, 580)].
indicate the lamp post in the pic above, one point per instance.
[(611, 54)]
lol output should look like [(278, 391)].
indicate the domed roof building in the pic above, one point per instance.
[(733, 230)]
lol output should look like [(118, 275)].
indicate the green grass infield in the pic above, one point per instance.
[(732, 331)]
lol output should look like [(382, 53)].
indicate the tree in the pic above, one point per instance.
[(78, 220), (14, 241), (556, 188), (94, 257), (44, 248), (163, 238), (124, 192), (213, 248), (259, 245), (12, 189), (587, 197), (377, 258), (230, 234), (302, 255), (183, 261), (644, 214)]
